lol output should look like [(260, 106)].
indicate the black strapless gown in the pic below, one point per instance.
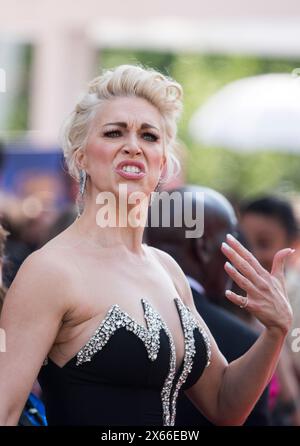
[(126, 374)]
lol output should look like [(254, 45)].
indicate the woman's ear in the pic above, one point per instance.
[(80, 159)]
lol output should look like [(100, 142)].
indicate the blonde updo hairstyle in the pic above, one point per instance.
[(125, 81)]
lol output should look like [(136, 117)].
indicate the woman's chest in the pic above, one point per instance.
[(100, 291)]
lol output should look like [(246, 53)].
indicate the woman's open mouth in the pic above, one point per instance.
[(131, 170)]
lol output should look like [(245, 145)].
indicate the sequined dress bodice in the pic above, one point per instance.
[(126, 373)]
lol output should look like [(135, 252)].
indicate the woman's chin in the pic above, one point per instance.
[(129, 187)]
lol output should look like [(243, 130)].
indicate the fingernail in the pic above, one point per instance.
[(229, 265), (292, 250), (225, 246), (230, 237), (228, 293)]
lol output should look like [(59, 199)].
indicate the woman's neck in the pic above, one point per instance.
[(110, 236)]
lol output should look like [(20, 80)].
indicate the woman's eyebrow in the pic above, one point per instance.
[(145, 125)]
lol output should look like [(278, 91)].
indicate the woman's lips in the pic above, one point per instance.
[(131, 175)]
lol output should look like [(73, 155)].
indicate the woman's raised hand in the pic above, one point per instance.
[(266, 295)]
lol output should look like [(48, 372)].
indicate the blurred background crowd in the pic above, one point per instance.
[(239, 65)]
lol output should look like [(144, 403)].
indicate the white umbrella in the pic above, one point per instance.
[(254, 113)]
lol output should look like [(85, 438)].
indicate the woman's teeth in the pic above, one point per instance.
[(131, 169)]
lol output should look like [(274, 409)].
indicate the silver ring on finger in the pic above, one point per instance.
[(244, 302)]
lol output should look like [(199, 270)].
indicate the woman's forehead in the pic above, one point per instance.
[(128, 110)]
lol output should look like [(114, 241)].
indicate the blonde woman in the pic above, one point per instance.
[(113, 317)]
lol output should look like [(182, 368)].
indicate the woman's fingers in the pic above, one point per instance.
[(240, 280), (279, 262), (246, 255), (237, 299), (244, 266), (266, 295)]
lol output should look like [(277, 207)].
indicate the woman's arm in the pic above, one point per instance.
[(32, 314), (229, 397), (226, 393)]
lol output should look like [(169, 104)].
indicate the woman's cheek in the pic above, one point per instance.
[(100, 153), (157, 159)]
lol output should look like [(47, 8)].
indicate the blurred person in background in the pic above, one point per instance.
[(33, 413), (17, 247), (64, 219), (202, 260), (14, 221), (269, 223), (26, 234), (26, 212)]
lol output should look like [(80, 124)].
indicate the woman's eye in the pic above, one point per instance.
[(150, 137), (113, 133)]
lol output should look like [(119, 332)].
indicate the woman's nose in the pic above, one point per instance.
[(131, 147)]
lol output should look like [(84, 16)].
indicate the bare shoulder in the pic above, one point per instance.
[(44, 264), (36, 305), (167, 261), (44, 276), (55, 260), (176, 273)]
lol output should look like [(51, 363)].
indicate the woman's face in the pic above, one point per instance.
[(125, 146), (265, 235)]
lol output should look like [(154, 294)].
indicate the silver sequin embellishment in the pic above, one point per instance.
[(117, 318), (167, 387), (189, 323)]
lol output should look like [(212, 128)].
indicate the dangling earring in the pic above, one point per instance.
[(158, 185), (82, 181), (82, 184), (153, 193)]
